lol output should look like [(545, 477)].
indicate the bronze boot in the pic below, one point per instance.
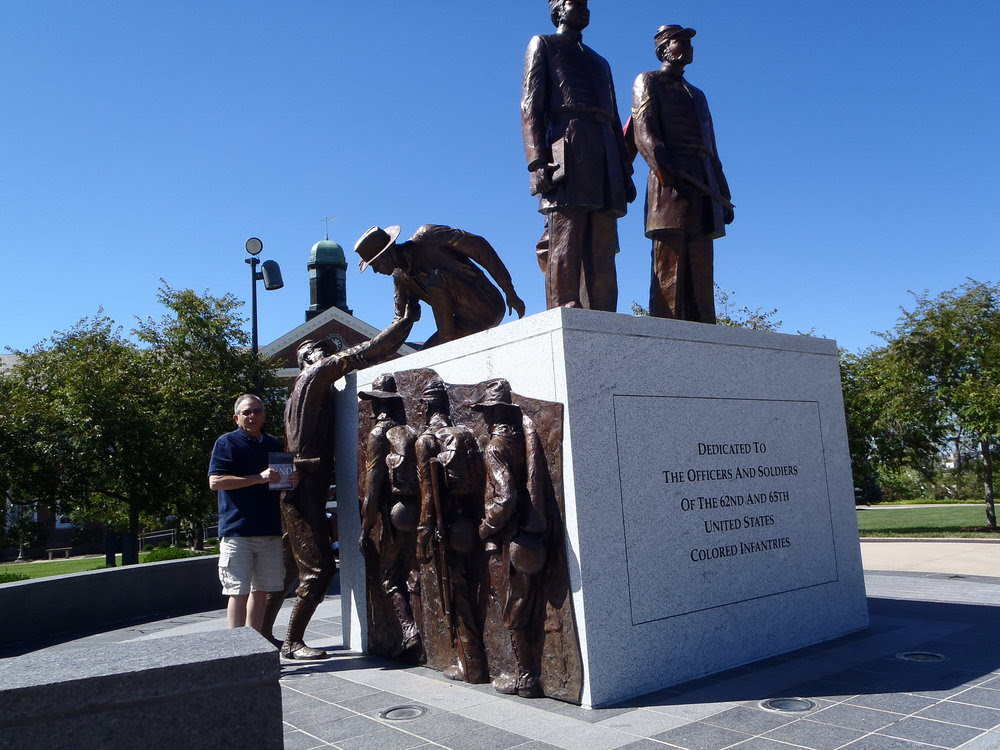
[(294, 647)]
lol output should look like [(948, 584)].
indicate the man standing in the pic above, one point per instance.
[(309, 437), (250, 555), (580, 168), (687, 197), (436, 266)]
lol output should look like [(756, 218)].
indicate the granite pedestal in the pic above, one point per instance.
[(210, 690), (709, 501)]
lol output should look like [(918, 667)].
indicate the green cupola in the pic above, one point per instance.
[(327, 278)]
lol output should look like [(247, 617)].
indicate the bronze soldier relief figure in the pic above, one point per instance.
[(436, 266), (687, 197), (512, 529), (309, 560), (392, 495), (488, 586), (449, 471), (580, 168)]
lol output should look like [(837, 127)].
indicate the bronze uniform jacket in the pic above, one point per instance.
[(657, 138), (569, 93)]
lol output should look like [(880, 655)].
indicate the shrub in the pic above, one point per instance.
[(11, 577), (168, 553)]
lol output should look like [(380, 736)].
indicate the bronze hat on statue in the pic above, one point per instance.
[(383, 387), (673, 31), (373, 243), (496, 393)]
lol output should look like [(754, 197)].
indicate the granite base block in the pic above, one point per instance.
[(208, 690), (709, 498), (50, 608)]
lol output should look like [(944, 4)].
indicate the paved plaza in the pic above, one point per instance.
[(858, 692)]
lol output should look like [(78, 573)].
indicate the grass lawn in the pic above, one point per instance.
[(55, 567), (44, 569), (954, 521), (933, 501)]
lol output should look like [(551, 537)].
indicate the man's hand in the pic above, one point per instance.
[(424, 549), (630, 193), (728, 215), (541, 180), (269, 476), (294, 478), (515, 304)]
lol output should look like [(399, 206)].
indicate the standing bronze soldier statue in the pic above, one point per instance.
[(513, 530), (391, 493), (309, 559), (580, 167), (436, 266), (687, 198), (449, 469)]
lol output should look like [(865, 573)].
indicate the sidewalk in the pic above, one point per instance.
[(863, 697), (967, 557)]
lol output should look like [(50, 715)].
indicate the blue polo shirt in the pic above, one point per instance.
[(253, 510)]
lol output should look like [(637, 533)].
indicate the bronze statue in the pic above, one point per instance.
[(436, 266), (579, 164), (450, 475), (512, 529), (687, 198), (309, 559), (391, 497)]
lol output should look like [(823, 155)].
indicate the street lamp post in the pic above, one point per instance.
[(270, 274)]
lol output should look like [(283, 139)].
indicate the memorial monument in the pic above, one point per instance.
[(709, 506), (584, 505)]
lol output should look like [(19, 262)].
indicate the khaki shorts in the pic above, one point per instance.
[(251, 563)]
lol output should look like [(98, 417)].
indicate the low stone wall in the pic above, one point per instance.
[(207, 690), (43, 609)]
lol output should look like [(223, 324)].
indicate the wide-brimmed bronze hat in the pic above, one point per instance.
[(373, 243), (495, 393), (383, 387)]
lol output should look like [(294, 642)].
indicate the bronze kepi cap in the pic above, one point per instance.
[(672, 31)]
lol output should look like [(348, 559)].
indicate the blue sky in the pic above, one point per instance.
[(144, 140)]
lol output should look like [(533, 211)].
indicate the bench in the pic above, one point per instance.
[(53, 550)]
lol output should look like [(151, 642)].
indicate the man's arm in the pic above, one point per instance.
[(537, 149), (648, 138), (231, 482), (377, 349), (478, 249)]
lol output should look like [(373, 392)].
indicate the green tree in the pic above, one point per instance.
[(945, 357), (203, 362), (24, 531), (84, 429), (727, 314), (119, 432), (935, 382)]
